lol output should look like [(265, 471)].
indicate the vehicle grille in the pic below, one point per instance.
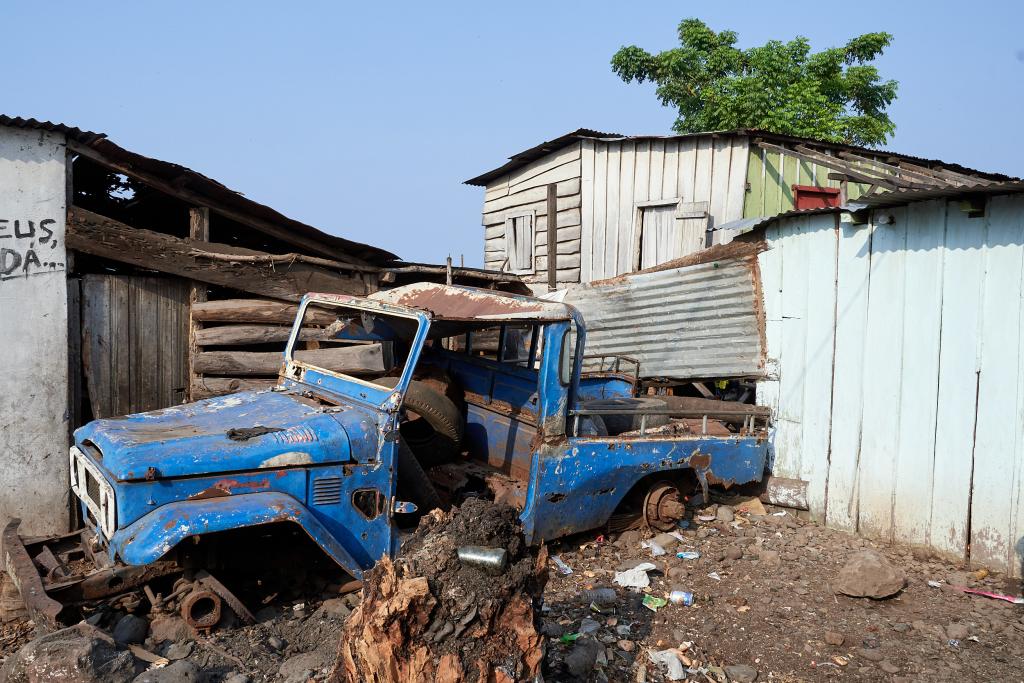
[(92, 488), (327, 490)]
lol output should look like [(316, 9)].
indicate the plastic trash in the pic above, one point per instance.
[(600, 596), (688, 555), (569, 637), (684, 598), (656, 550), (1016, 600), (635, 577), (674, 670), (563, 568), (588, 626), (683, 524), (707, 518), (599, 609), (715, 576), (653, 603), (935, 584)]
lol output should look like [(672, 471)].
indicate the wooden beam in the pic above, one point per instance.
[(101, 236), (552, 235), (913, 176), (207, 387), (953, 176), (359, 359), (258, 311), (239, 335), (825, 160), (872, 175), (198, 232), (186, 195)]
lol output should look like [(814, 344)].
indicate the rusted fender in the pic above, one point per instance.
[(153, 535), (22, 570)]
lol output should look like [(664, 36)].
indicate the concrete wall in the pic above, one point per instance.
[(33, 331), (898, 385)]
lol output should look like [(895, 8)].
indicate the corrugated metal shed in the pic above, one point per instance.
[(692, 322), (896, 378)]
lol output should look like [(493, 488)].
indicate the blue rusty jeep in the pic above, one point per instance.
[(439, 392)]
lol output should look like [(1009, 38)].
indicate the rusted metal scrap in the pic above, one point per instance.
[(210, 582), (19, 566)]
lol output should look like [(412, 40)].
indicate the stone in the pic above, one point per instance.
[(181, 671), (626, 645), (666, 541), (275, 643), (582, 659), (237, 678), (957, 632), (130, 629), (552, 629), (867, 574), (870, 654), (300, 668), (179, 650), (79, 654), (169, 628), (888, 667), (833, 638), (335, 608), (733, 552), (769, 559), (725, 514), (741, 673)]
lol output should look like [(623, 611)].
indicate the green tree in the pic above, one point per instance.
[(834, 95)]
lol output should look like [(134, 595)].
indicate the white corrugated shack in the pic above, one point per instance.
[(895, 370)]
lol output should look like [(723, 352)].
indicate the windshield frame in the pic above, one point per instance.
[(357, 389)]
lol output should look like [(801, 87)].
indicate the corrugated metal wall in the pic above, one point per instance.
[(618, 174), (698, 321), (895, 370)]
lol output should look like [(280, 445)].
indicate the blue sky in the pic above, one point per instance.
[(364, 120)]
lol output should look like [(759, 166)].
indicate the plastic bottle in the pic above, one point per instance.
[(599, 596)]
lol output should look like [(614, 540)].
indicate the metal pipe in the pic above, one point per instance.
[(490, 560)]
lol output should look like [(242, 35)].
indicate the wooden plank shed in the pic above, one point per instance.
[(129, 283), (627, 203)]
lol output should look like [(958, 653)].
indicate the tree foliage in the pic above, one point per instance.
[(834, 95)]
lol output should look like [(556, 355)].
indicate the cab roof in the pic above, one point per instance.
[(468, 304)]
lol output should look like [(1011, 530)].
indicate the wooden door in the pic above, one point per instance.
[(134, 342), (667, 234)]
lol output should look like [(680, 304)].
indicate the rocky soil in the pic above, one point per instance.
[(765, 608)]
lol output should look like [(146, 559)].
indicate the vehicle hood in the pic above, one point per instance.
[(235, 433)]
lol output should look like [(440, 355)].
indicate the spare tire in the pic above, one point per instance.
[(413, 483), (432, 425), (617, 424)]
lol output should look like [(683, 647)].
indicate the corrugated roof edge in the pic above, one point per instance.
[(519, 160), (198, 183), (899, 199)]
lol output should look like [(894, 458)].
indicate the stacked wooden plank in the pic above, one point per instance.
[(240, 343)]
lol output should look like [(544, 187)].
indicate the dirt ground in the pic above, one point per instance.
[(771, 612), (772, 609)]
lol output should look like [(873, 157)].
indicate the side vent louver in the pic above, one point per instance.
[(326, 490)]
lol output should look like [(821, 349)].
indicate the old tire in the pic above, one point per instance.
[(617, 424), (434, 430), (413, 482)]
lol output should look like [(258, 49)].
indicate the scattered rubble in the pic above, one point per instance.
[(430, 616), (775, 614)]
